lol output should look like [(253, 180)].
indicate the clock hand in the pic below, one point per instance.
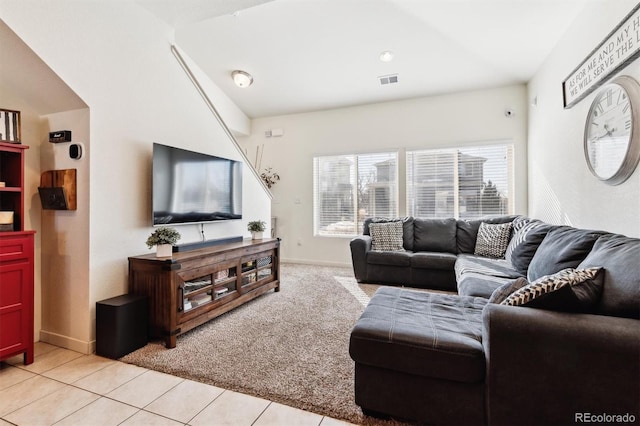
[(609, 130)]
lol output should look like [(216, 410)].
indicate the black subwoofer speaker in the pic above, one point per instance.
[(121, 325)]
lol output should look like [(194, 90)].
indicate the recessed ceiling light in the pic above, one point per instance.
[(242, 78), (386, 56)]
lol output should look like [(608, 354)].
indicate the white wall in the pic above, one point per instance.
[(116, 56), (65, 246), (440, 121), (561, 188)]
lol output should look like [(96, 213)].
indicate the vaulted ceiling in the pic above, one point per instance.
[(307, 55)]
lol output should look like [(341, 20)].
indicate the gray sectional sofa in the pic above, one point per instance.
[(569, 350)]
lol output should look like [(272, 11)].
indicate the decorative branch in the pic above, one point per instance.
[(269, 177)]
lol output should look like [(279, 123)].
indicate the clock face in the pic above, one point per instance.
[(608, 131)]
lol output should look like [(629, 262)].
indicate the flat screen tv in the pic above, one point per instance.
[(192, 187)]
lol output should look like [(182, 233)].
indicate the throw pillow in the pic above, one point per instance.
[(386, 236), (570, 290), (407, 228), (467, 231), (492, 239), (505, 290), (527, 237)]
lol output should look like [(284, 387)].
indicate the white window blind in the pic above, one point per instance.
[(349, 188), (465, 183)]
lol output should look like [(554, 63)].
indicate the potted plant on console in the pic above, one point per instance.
[(257, 228), (164, 238)]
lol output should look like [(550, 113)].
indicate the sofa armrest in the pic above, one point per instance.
[(547, 367), (360, 245)]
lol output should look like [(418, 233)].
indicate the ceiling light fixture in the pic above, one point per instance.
[(386, 56), (242, 78)]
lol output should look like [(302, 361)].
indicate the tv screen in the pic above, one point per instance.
[(192, 187)]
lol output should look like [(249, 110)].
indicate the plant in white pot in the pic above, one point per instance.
[(256, 227), (164, 238)]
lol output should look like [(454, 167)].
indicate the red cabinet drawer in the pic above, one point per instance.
[(16, 246)]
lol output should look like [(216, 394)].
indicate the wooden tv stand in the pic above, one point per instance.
[(193, 287)]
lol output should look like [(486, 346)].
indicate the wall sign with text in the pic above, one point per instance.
[(620, 47)]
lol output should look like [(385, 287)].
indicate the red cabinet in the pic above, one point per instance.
[(16, 295), (16, 259)]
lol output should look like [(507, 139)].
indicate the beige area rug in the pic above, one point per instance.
[(291, 347)]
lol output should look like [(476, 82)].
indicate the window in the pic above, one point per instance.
[(349, 188), (465, 183)]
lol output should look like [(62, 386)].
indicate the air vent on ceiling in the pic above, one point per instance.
[(388, 79)]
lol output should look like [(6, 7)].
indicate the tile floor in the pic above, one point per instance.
[(63, 387)]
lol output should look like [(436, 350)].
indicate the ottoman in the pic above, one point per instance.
[(418, 357)]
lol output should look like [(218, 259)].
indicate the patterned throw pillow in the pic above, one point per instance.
[(386, 236), (527, 235), (520, 228), (570, 290), (492, 239), (505, 290)]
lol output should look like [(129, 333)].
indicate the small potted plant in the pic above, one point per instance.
[(163, 238), (257, 228)]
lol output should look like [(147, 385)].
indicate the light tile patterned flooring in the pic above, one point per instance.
[(63, 387)]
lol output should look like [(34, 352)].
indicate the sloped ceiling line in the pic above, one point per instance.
[(218, 117)]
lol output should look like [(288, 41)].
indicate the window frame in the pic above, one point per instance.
[(470, 170), (356, 159)]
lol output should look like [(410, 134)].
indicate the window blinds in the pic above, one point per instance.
[(466, 183), (349, 188)]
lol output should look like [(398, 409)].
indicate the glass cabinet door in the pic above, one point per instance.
[(194, 292)]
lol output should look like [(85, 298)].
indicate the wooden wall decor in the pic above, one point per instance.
[(58, 189)]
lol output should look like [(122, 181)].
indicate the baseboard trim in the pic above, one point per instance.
[(316, 262), (67, 342)]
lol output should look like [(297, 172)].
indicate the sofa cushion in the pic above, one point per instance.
[(469, 263), (479, 285), (421, 333), (492, 239), (434, 235), (619, 257), (479, 276), (433, 260), (407, 228), (527, 235), (505, 290), (570, 290), (386, 236), (467, 231), (390, 258), (563, 247)]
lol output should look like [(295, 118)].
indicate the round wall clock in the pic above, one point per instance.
[(612, 131)]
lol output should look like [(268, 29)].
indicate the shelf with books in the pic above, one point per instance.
[(257, 271)]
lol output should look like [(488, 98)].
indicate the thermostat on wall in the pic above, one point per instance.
[(75, 151)]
